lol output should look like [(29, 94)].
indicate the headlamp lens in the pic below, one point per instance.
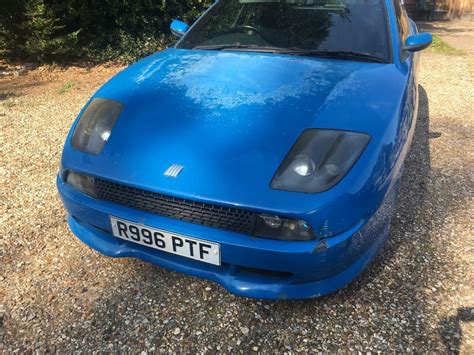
[(303, 165), (319, 160), (95, 125)]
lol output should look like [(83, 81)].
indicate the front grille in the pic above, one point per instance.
[(227, 218)]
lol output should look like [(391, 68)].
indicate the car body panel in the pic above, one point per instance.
[(231, 146), (230, 118), (250, 265)]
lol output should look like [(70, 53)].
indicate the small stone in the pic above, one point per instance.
[(177, 331), (244, 330)]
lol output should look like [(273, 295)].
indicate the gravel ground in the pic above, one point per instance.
[(56, 294), (459, 34)]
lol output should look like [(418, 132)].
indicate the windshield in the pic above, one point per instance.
[(355, 26)]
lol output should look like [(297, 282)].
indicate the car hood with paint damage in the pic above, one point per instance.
[(230, 118)]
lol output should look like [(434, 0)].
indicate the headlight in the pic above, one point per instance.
[(83, 183), (274, 227), (95, 125), (319, 160)]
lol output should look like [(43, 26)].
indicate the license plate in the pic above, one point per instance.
[(166, 241)]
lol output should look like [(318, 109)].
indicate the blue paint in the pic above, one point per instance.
[(230, 119), (179, 28), (418, 42)]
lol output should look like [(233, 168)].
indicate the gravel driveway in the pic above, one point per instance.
[(56, 294)]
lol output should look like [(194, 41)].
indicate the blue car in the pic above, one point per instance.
[(263, 152)]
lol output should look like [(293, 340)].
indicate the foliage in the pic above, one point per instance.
[(12, 33), (68, 86), (98, 30), (46, 39)]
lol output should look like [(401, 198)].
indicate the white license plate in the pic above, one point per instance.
[(166, 241)]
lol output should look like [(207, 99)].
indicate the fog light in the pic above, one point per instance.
[(274, 227), (83, 183)]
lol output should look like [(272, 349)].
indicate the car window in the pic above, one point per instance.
[(402, 21), (325, 25)]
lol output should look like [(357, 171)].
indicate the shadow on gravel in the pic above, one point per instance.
[(451, 330), (440, 27), (9, 90)]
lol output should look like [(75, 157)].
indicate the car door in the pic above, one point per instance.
[(408, 64)]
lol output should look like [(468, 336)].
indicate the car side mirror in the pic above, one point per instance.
[(179, 28), (418, 42)]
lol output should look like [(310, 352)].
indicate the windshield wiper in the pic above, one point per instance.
[(302, 52), (241, 47), (338, 55)]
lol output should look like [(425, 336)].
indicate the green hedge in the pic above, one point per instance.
[(96, 30)]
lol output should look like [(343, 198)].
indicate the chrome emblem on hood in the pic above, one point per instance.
[(174, 170)]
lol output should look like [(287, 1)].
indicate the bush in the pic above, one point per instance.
[(12, 34), (46, 39), (98, 30)]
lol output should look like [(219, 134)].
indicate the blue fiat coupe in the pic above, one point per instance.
[(263, 152)]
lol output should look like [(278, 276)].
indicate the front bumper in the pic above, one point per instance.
[(251, 267)]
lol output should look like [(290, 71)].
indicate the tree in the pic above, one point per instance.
[(97, 30), (46, 39)]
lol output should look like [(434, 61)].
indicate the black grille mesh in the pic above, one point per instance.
[(231, 219)]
